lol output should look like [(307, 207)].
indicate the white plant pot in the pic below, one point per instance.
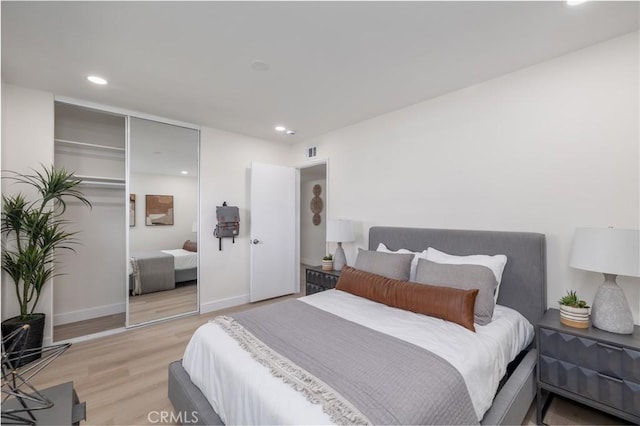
[(327, 265), (574, 317)]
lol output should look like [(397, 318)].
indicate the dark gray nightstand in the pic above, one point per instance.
[(591, 366), (67, 409), (319, 280)]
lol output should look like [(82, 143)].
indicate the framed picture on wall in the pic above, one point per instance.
[(132, 210), (159, 210)]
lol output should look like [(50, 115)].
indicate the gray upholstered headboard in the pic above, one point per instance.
[(524, 280)]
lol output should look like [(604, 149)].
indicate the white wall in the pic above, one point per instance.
[(545, 149), (94, 276), (224, 176), (185, 211), (27, 141), (312, 237)]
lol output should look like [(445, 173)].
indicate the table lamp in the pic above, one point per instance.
[(612, 252), (339, 231)]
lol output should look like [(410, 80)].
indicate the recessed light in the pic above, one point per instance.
[(280, 128), (97, 80), (291, 132), (260, 65), (575, 2), (184, 172)]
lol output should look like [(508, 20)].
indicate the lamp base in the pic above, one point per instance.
[(610, 310), (339, 259)]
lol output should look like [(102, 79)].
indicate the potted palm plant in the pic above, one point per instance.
[(574, 312), (32, 231)]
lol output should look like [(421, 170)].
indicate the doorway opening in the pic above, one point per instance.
[(313, 191)]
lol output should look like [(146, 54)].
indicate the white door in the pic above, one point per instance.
[(273, 231)]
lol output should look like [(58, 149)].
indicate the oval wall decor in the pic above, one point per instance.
[(316, 205)]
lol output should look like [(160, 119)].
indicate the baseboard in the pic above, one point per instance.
[(229, 302), (97, 335), (85, 314)]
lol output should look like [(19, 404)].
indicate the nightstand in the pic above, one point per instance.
[(67, 408), (319, 280), (590, 366)]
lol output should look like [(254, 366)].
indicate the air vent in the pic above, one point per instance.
[(311, 152)]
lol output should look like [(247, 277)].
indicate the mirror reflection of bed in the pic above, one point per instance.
[(163, 284), (163, 189)]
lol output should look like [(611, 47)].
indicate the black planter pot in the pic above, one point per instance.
[(34, 339)]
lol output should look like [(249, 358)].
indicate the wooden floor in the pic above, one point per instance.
[(143, 308), (163, 304), (91, 326), (563, 411), (123, 377)]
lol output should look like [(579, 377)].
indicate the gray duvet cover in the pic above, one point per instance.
[(152, 271), (360, 376)]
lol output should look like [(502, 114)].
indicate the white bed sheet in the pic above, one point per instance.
[(183, 259), (242, 391)]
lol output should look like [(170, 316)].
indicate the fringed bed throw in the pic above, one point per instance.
[(358, 375), (317, 392)]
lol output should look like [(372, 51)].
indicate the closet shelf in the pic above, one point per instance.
[(101, 180), (88, 145)]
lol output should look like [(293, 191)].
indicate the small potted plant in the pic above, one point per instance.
[(573, 311), (327, 263)]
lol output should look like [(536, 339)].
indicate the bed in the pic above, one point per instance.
[(523, 289), (153, 271)]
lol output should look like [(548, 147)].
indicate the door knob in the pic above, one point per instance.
[(256, 241)]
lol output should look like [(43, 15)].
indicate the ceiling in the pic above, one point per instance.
[(162, 149), (331, 64)]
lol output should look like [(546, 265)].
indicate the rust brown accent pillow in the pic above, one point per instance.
[(451, 304), (190, 246)]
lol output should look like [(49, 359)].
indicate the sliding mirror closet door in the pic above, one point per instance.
[(162, 279)]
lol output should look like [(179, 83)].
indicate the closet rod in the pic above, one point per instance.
[(98, 183), (99, 179)]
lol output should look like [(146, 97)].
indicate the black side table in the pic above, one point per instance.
[(319, 280)]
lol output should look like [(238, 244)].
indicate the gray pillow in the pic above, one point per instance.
[(390, 265), (464, 277)]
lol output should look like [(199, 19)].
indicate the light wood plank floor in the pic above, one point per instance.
[(163, 304), (143, 308), (90, 326), (563, 411), (123, 377)]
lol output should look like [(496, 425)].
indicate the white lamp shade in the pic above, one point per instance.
[(340, 231), (194, 227), (607, 250)]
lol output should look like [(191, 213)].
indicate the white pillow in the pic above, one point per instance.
[(414, 263), (495, 263)]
